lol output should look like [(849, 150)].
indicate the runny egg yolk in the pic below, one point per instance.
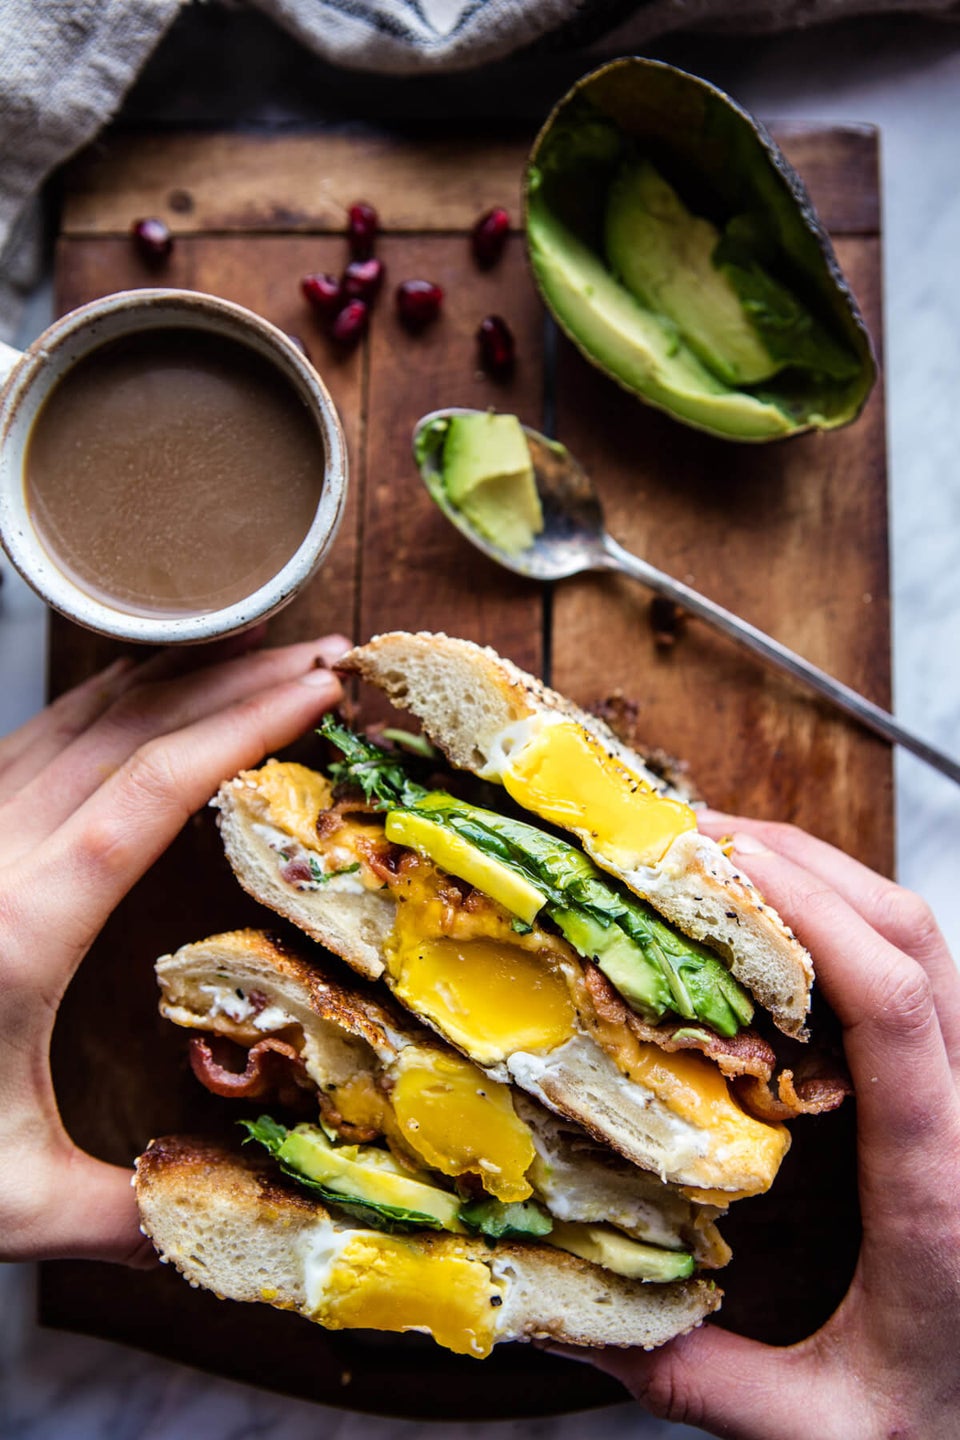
[(568, 778), (384, 1282), (474, 978), (461, 1122)]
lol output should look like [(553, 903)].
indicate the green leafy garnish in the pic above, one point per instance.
[(382, 777), (322, 877)]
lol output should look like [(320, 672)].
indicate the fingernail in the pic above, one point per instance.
[(749, 845), (321, 678)]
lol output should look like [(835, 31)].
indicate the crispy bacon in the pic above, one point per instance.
[(816, 1083), (272, 1067), (743, 1054), (826, 1087)]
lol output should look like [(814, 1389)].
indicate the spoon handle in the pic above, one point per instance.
[(875, 718)]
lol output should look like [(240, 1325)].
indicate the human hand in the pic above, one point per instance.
[(886, 1363), (92, 791)]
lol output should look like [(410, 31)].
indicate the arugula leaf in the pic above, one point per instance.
[(391, 1219), (499, 1221), (382, 777)]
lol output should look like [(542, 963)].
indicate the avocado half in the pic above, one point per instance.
[(720, 169)]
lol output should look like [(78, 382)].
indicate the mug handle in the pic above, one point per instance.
[(8, 358)]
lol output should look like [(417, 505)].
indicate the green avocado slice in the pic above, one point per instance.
[(656, 969)]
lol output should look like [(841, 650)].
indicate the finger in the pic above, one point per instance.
[(86, 867), (100, 1220), (143, 712), (906, 1096), (26, 750), (899, 915), (730, 1386)]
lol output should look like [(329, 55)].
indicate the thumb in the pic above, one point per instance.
[(96, 1218), (725, 1384)]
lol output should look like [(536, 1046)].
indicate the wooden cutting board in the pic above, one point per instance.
[(792, 536)]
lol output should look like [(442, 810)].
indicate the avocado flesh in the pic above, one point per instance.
[(664, 256), (366, 1175), (641, 984), (640, 350), (602, 1245), (488, 476), (739, 320), (654, 967)]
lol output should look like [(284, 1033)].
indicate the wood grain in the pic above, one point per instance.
[(793, 536), (200, 182)]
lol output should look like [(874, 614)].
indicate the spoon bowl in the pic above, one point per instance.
[(572, 538), (575, 540)]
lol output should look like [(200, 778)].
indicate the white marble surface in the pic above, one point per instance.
[(907, 81)]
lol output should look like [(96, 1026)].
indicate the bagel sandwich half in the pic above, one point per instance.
[(276, 1027), (235, 1225)]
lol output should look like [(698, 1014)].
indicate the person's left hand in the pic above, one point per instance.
[(92, 791)]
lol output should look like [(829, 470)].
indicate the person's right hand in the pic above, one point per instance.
[(887, 1363), (92, 791)]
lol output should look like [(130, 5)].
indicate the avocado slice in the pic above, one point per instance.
[(461, 858), (621, 959), (362, 1172), (362, 1180), (664, 256), (603, 1245), (488, 476)]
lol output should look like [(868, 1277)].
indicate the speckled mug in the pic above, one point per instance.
[(28, 378)]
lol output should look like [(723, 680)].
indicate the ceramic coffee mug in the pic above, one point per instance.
[(32, 376)]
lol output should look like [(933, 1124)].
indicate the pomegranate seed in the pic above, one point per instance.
[(363, 223), (152, 239), (495, 343), (324, 292), (418, 302), (489, 236), (362, 280), (351, 323)]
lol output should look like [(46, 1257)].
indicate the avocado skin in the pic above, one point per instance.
[(729, 167)]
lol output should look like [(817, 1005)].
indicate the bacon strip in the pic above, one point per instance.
[(743, 1054), (817, 1082), (272, 1067), (812, 1094)]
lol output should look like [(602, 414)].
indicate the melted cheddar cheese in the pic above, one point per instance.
[(372, 1281), (459, 1122), (291, 797), (692, 1087), (568, 778)]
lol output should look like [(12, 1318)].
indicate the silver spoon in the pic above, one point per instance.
[(574, 540)]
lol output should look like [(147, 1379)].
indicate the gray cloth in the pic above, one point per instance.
[(66, 65)]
